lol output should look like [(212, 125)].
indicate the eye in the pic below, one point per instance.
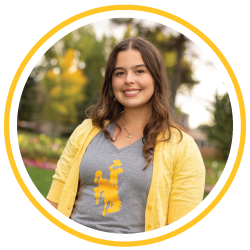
[(140, 71), (119, 73)]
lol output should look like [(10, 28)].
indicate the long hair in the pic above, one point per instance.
[(108, 109)]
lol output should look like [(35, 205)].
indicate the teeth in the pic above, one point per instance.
[(131, 92)]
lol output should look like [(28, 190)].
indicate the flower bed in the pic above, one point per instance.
[(40, 150), (39, 164)]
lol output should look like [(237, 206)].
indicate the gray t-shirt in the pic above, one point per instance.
[(113, 187)]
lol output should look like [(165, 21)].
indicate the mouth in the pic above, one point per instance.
[(131, 92)]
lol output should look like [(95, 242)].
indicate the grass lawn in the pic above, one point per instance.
[(42, 178), (214, 170)]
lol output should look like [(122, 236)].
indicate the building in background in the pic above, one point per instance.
[(206, 148), (184, 121)]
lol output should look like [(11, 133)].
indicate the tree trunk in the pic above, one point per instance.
[(177, 72)]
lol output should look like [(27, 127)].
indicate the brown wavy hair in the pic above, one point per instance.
[(161, 120)]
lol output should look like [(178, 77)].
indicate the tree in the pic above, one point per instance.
[(95, 61), (221, 129), (91, 57), (67, 80), (62, 86), (172, 47), (31, 100)]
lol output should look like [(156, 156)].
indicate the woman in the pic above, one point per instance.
[(129, 168)]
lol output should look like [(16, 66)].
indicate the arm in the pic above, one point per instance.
[(188, 181), (63, 168), (55, 205)]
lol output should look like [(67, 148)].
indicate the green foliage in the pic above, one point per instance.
[(220, 132), (95, 67), (69, 77), (63, 86), (214, 169), (68, 80), (30, 101)]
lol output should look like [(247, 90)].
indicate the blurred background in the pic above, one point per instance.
[(68, 79)]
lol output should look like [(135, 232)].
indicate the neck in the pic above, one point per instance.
[(136, 119)]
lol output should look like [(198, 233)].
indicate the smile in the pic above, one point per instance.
[(132, 93)]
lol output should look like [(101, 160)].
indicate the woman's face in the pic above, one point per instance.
[(132, 83)]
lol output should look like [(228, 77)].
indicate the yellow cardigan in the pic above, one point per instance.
[(177, 184)]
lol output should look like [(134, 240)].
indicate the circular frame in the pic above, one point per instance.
[(76, 18)]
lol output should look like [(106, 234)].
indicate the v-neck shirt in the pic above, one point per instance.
[(113, 187)]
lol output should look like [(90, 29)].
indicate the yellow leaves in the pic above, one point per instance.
[(74, 75), (55, 91), (51, 74), (170, 58), (64, 86), (69, 74), (160, 36), (68, 70), (79, 77), (60, 108), (68, 59)]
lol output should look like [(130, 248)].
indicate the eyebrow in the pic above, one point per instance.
[(136, 66)]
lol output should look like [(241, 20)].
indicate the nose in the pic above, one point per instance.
[(129, 78)]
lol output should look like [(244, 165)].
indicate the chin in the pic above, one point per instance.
[(133, 105)]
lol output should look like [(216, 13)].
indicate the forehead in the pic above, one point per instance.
[(128, 58)]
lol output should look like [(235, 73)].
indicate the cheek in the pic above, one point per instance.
[(150, 85), (117, 87)]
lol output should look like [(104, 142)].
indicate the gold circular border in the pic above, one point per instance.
[(135, 8)]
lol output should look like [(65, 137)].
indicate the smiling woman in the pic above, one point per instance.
[(129, 168), (131, 78)]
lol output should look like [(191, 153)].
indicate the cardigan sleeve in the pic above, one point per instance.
[(63, 166), (188, 180)]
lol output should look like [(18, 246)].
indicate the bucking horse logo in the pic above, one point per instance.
[(109, 189)]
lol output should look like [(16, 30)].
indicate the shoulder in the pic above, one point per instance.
[(187, 152), (80, 132), (179, 137), (83, 130), (185, 143), (179, 145), (85, 126)]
